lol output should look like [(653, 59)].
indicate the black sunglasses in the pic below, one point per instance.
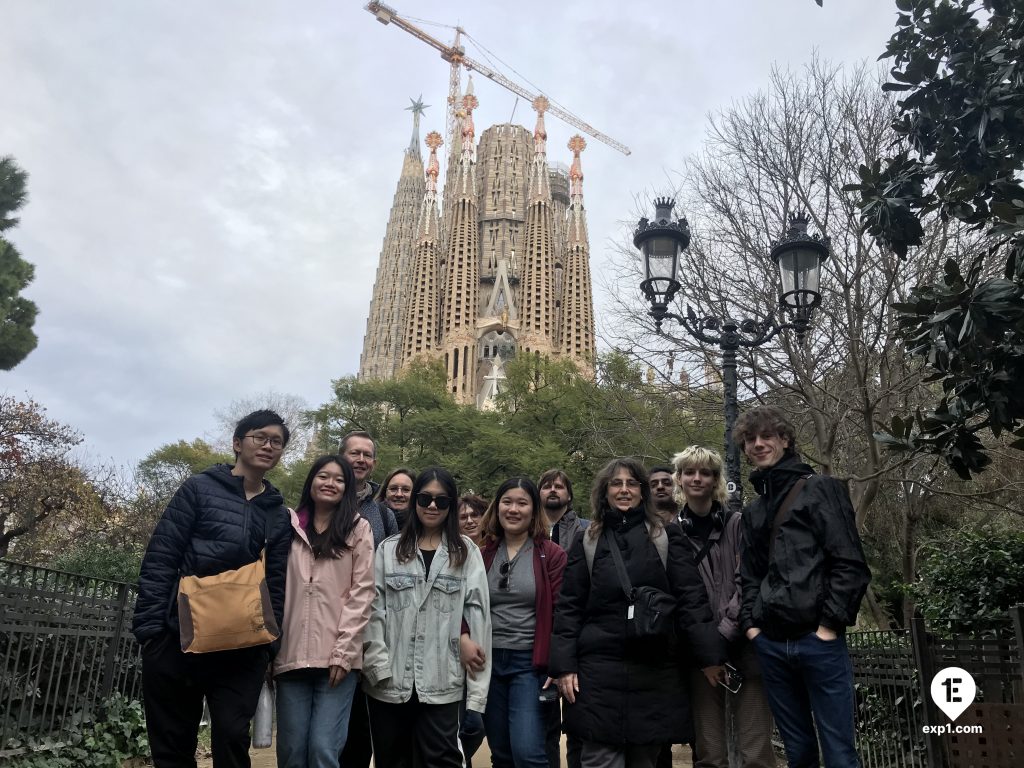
[(425, 499), (505, 571)]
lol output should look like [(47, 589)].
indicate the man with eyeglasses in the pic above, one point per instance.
[(218, 520), (360, 451)]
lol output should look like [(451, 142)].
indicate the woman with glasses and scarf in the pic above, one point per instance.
[(396, 493), (524, 573), (625, 682), (429, 580)]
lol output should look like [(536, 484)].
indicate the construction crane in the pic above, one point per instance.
[(455, 55)]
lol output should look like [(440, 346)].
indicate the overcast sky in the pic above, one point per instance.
[(210, 181)]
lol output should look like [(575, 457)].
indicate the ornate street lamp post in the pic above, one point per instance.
[(799, 257)]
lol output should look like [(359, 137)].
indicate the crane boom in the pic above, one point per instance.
[(456, 56)]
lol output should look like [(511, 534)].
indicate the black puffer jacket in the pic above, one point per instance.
[(817, 573), (631, 691), (208, 528)]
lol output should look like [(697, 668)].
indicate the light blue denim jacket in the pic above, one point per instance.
[(413, 635)]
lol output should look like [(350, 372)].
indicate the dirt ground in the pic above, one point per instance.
[(265, 758)]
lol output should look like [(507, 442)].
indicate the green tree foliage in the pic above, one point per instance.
[(959, 67), (17, 314), (548, 415), (163, 470), (970, 588)]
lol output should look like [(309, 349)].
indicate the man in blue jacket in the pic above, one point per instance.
[(802, 576), (218, 520)]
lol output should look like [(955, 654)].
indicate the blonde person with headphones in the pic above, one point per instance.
[(713, 533)]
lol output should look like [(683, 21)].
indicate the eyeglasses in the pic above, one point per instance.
[(396, 489), (631, 483), (260, 440), (355, 453), (505, 571), (425, 500), (471, 515)]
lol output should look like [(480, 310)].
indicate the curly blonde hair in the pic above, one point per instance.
[(699, 457)]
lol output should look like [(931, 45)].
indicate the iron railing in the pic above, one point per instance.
[(65, 645)]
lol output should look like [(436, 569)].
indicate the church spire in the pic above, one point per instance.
[(540, 185), (422, 320), (386, 323), (577, 316), (417, 107)]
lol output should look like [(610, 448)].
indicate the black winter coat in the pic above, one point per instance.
[(631, 691), (209, 527), (817, 573)]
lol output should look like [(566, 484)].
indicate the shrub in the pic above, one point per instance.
[(969, 587)]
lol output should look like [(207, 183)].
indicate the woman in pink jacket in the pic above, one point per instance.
[(327, 604)]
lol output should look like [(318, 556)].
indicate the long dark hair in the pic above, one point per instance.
[(492, 525), (345, 514), (599, 495), (413, 528)]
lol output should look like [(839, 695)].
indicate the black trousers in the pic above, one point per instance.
[(414, 734), (173, 687), (358, 747), (553, 738)]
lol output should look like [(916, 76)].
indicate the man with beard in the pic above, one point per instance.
[(663, 489), (802, 577), (563, 527), (556, 495)]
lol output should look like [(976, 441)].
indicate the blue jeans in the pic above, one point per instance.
[(312, 718), (809, 681), (514, 720)]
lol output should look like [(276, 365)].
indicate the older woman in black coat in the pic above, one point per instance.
[(626, 695)]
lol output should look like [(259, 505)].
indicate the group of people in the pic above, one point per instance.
[(414, 621)]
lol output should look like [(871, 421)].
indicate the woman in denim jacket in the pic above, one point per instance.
[(428, 580)]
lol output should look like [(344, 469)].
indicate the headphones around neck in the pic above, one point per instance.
[(718, 518)]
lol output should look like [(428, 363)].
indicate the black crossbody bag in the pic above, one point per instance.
[(650, 609)]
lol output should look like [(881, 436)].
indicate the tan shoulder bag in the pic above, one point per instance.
[(227, 611)]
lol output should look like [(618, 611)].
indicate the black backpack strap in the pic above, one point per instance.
[(627, 585), (704, 551)]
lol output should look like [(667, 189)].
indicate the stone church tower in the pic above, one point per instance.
[(502, 270)]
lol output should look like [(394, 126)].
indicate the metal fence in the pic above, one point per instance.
[(65, 645), (892, 672), (889, 704)]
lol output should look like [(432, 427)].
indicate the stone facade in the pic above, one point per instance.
[(503, 270)]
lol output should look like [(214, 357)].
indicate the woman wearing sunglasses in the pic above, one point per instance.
[(429, 580), (524, 574)]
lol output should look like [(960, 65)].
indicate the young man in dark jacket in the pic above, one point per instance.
[(218, 520), (803, 575)]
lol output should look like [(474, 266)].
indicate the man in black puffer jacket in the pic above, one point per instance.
[(803, 575), (218, 520)]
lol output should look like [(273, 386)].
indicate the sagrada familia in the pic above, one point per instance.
[(502, 270)]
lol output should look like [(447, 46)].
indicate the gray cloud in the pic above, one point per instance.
[(210, 181)]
